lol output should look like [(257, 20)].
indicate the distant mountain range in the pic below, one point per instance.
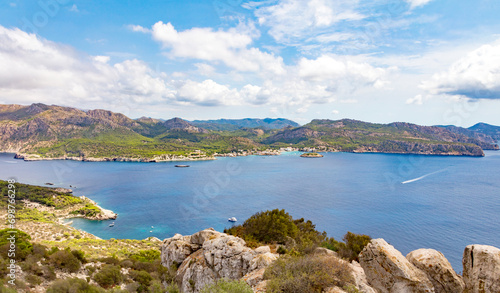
[(234, 124), (44, 132)]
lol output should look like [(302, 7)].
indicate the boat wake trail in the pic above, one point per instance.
[(422, 177)]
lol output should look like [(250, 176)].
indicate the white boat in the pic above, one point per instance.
[(232, 219), (112, 224)]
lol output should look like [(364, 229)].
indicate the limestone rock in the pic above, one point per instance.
[(262, 249), (208, 256), (200, 237), (254, 277), (334, 290), (359, 277), (324, 251), (262, 260), (481, 269), (388, 271), (176, 249), (194, 273), (228, 256), (261, 287), (438, 269)]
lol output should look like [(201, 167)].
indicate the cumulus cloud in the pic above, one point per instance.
[(34, 68), (336, 72), (207, 93), (229, 47), (37, 69), (475, 76)]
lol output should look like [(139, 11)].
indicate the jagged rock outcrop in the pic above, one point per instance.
[(176, 249), (481, 269), (438, 269), (208, 255), (388, 271), (360, 279)]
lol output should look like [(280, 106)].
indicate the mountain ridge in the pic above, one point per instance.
[(61, 132)]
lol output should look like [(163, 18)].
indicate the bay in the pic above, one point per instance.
[(438, 202)]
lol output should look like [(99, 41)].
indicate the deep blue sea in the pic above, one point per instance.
[(445, 203)]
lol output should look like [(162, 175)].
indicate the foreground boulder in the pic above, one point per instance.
[(438, 269), (388, 271), (208, 255), (360, 279), (481, 269)]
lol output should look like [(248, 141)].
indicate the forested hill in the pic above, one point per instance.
[(60, 132)]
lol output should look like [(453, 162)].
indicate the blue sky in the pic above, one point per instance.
[(422, 61)]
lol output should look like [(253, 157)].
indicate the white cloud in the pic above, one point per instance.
[(291, 20), (417, 3), (335, 112), (207, 93), (205, 69), (74, 8), (34, 68), (138, 28), (475, 76), (230, 47), (417, 100), (336, 72)]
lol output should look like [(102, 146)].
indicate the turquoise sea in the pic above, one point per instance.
[(445, 203)]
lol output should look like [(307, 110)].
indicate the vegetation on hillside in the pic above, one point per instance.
[(307, 274), (54, 132), (43, 195), (294, 236)]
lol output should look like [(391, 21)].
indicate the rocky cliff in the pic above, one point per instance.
[(208, 255)]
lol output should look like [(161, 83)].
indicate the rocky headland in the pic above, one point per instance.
[(208, 255)]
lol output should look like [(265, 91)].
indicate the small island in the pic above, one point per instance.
[(311, 155)]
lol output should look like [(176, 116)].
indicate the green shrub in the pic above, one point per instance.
[(48, 273), (308, 237), (22, 248), (146, 255), (277, 226), (143, 278), (354, 244), (331, 244), (110, 260), (33, 280), (307, 274), (73, 285), (64, 259), (126, 263), (172, 288), (31, 265), (40, 250), (108, 276), (80, 255), (281, 250), (228, 286), (89, 210), (156, 287), (4, 289)]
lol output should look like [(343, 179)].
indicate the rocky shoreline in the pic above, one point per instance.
[(208, 256), (167, 158), (174, 158)]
